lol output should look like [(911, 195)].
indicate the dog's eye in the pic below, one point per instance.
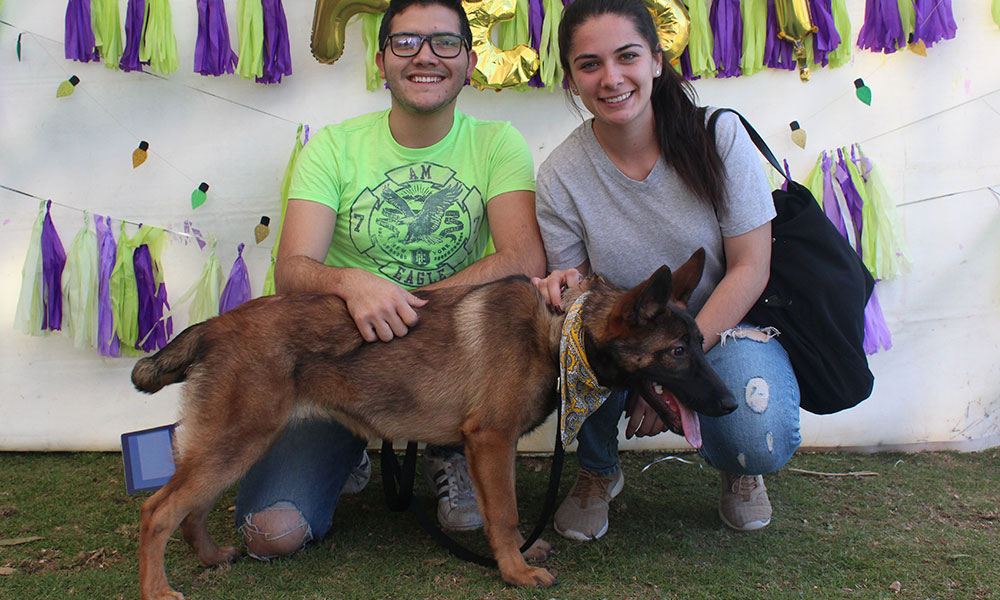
[(678, 351)]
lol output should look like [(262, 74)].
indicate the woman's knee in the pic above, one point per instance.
[(279, 530), (763, 433)]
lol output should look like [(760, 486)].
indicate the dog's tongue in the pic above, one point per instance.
[(692, 429)]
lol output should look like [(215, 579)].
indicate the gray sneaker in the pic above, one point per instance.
[(744, 505), (583, 515), (359, 476), (448, 475)]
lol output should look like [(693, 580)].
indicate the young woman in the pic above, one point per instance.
[(642, 184)]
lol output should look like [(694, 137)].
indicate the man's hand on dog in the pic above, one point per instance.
[(381, 309), (553, 285)]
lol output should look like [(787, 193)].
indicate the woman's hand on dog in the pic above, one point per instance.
[(553, 285), (642, 419), (381, 309)]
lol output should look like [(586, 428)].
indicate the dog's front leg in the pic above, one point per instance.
[(490, 455)]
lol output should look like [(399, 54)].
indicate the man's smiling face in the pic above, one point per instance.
[(425, 83)]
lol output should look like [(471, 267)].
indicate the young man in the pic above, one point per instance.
[(379, 205)]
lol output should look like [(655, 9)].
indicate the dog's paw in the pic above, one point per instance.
[(167, 594), (538, 551), (221, 557), (531, 577)]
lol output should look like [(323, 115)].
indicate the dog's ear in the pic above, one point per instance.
[(641, 303), (686, 278)]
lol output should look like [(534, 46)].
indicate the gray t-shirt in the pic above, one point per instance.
[(587, 208)]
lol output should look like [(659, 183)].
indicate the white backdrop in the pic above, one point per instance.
[(931, 129)]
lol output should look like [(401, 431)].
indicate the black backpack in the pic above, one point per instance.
[(815, 298)]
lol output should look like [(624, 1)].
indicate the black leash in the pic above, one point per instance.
[(397, 482)]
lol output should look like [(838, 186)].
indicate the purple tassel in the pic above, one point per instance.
[(830, 205), (213, 54), (778, 54), (237, 290), (153, 329), (851, 197), (876, 331), (135, 13), (79, 39), (53, 262), (107, 338), (686, 70), (727, 25), (826, 39), (536, 17), (277, 57), (934, 22), (882, 30)]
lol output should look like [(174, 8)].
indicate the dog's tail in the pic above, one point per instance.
[(170, 364)]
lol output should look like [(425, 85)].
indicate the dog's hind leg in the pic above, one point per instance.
[(195, 531), (491, 464), (185, 501)]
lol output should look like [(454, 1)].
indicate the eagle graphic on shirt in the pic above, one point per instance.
[(419, 225)]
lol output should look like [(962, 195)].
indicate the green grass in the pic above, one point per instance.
[(928, 521)]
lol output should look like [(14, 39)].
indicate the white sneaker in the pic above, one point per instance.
[(359, 476), (448, 475)]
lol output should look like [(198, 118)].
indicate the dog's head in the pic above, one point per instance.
[(645, 340)]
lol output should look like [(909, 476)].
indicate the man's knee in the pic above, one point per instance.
[(279, 530)]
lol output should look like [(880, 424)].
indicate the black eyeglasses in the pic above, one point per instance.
[(443, 45)]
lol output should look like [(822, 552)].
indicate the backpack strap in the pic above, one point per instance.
[(754, 137)]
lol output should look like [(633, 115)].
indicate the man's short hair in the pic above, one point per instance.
[(398, 6)]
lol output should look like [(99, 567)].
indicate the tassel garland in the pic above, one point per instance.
[(79, 40), (237, 290), (213, 54), (276, 59), (79, 285)]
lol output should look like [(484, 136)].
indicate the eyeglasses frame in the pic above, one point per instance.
[(424, 38)]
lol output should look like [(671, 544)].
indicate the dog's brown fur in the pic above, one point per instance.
[(479, 369)]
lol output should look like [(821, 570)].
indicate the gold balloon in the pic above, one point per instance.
[(496, 68), (794, 24), (673, 26), (330, 21)]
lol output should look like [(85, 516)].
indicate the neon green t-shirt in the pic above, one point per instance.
[(412, 215)]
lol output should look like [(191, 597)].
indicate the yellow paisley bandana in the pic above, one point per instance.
[(581, 394)]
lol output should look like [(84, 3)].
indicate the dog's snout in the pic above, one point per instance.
[(727, 403)]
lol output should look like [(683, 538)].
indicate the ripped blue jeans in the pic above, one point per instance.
[(759, 437)]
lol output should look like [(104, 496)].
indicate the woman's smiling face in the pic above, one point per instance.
[(612, 67)]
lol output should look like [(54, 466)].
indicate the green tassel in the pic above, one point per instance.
[(205, 292), (79, 287), (908, 16), (842, 54), (882, 243), (286, 183), (754, 35), (370, 24), (250, 27), (106, 23), (125, 296), (550, 69), (159, 45), (30, 305), (512, 32), (701, 42), (814, 180)]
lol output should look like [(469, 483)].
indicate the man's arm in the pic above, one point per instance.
[(380, 308), (518, 243)]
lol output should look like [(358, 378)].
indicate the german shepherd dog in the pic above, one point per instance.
[(479, 369)]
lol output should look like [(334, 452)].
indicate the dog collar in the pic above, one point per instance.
[(581, 394)]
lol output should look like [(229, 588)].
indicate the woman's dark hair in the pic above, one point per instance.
[(398, 6), (685, 142)]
